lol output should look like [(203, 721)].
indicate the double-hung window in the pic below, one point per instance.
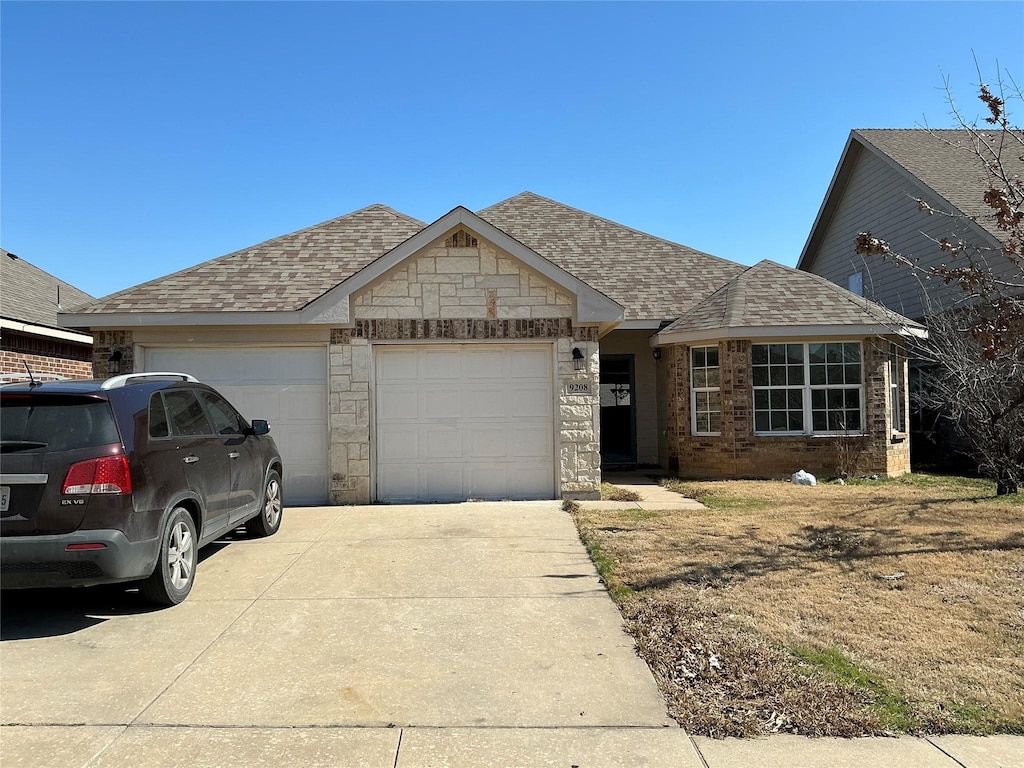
[(807, 388), (705, 397)]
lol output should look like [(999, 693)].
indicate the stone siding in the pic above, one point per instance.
[(461, 283), (739, 453), (462, 294), (104, 344)]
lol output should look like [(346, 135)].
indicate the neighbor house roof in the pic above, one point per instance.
[(653, 279), (770, 299), (31, 297), (942, 161), (283, 274)]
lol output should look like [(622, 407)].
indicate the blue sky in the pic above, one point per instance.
[(143, 138)]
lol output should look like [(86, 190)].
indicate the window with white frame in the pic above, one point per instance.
[(807, 388), (705, 397), (896, 380)]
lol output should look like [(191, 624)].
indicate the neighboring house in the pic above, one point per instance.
[(29, 329), (881, 175), (510, 353)]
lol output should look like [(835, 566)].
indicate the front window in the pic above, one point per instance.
[(807, 388), (705, 397)]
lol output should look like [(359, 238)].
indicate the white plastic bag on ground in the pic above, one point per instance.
[(803, 478)]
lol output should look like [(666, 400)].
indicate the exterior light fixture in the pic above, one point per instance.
[(657, 353), (577, 359), (115, 362)]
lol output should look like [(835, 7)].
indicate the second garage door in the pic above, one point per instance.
[(464, 421), (286, 386)]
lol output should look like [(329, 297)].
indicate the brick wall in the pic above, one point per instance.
[(44, 355), (739, 453)]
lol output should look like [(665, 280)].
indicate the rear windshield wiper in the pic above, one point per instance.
[(10, 446)]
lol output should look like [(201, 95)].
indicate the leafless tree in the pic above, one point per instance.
[(974, 356)]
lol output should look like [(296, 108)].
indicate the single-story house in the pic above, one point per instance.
[(30, 332), (513, 352)]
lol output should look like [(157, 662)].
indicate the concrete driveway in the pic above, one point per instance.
[(456, 635)]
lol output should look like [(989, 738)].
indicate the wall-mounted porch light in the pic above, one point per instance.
[(114, 361), (657, 353), (577, 359)]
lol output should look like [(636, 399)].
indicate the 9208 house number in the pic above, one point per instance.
[(577, 388)]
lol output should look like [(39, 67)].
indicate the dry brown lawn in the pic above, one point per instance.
[(866, 608)]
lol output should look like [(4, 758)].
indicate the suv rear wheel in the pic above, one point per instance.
[(175, 571), (268, 520)]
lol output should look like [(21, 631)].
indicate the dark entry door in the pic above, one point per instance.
[(618, 410)]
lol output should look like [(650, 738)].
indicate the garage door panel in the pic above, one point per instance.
[(531, 402), (485, 403), (398, 365), (441, 443), (438, 363), (529, 363), (526, 442), (401, 443), (442, 482), (488, 442), (483, 426), (487, 483), (486, 364), (441, 403), (287, 386), (397, 403)]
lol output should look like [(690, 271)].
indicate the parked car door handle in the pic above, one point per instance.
[(233, 455), (190, 459)]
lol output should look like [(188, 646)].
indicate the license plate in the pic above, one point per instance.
[(5, 497)]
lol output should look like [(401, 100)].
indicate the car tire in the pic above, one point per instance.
[(175, 571), (268, 520)]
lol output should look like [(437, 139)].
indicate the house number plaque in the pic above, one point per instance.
[(577, 388)]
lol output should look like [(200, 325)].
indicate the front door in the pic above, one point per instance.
[(618, 410)]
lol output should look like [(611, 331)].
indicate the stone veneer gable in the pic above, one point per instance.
[(462, 294)]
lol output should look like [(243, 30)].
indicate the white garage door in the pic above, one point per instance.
[(287, 386), (463, 421)]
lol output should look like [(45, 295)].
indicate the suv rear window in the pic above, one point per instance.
[(56, 423)]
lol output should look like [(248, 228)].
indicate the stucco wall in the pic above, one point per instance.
[(645, 370)]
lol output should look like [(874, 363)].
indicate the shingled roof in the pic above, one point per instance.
[(283, 274), (945, 161), (30, 295), (769, 295), (654, 279)]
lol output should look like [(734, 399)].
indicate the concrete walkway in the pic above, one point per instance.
[(653, 496), (458, 635)]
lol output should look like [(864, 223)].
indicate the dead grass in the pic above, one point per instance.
[(611, 492), (871, 607)]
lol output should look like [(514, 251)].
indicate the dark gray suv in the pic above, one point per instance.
[(125, 479)]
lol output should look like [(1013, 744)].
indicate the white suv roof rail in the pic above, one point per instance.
[(116, 382)]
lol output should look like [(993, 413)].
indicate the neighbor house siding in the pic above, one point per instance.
[(738, 452), (879, 199), (44, 355)]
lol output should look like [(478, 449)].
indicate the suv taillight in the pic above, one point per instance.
[(106, 475)]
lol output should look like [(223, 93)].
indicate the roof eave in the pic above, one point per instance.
[(788, 332)]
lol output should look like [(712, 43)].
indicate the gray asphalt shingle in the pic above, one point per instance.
[(30, 295)]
